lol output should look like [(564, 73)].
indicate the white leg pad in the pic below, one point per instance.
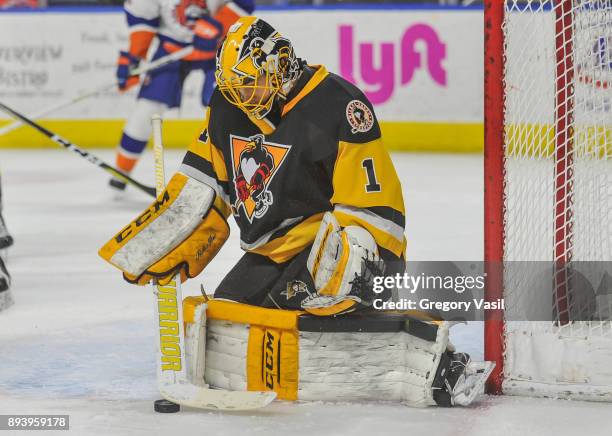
[(327, 366)]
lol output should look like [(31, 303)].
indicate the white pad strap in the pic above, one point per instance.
[(195, 346)]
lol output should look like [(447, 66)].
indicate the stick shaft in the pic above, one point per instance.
[(177, 372), (83, 153), (158, 153)]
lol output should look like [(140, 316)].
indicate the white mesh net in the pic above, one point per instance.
[(558, 187)]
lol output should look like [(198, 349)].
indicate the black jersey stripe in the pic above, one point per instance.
[(200, 164), (390, 214), (279, 233)]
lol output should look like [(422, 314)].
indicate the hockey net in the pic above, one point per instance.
[(548, 195)]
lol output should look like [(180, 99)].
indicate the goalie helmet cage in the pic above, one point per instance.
[(548, 191)]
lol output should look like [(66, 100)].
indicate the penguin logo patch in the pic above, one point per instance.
[(359, 116), (255, 162), (294, 288)]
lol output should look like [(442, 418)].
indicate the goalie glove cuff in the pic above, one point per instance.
[(343, 263)]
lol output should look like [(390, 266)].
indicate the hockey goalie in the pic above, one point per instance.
[(294, 153)]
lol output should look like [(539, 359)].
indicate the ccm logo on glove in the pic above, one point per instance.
[(143, 218)]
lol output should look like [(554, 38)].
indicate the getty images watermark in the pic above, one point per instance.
[(419, 283)]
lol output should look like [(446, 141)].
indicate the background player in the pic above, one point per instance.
[(176, 24), (6, 240)]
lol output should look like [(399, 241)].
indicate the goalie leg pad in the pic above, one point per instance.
[(254, 348), (181, 230)]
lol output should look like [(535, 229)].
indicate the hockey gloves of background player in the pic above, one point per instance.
[(342, 262), (181, 231), (126, 63), (206, 35)]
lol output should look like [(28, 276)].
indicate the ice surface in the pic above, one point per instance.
[(79, 340)]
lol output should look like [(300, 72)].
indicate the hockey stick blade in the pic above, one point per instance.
[(201, 397), (83, 153)]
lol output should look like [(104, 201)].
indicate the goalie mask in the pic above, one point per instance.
[(255, 65)]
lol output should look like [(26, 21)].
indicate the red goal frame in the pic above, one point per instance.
[(494, 171)]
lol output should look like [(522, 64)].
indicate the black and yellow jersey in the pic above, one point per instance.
[(277, 176)]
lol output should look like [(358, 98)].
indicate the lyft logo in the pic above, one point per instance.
[(381, 74)]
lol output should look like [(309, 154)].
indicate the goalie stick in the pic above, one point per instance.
[(172, 378), (158, 63), (84, 154)]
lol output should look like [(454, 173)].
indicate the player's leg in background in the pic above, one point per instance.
[(160, 91), (5, 277), (6, 298), (6, 240), (135, 136), (209, 84)]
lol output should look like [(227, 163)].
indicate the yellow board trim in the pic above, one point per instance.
[(439, 137), (397, 136)]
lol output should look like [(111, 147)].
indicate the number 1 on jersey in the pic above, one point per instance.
[(373, 185)]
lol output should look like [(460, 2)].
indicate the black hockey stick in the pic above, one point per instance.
[(84, 154)]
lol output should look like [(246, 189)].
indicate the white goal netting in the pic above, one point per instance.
[(558, 198)]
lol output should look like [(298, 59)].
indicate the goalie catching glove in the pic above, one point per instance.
[(342, 263), (181, 231)]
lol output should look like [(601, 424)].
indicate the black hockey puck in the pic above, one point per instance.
[(165, 406)]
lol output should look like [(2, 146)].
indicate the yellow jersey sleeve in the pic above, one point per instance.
[(205, 162), (367, 192)]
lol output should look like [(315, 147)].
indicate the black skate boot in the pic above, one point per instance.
[(450, 371), (458, 380)]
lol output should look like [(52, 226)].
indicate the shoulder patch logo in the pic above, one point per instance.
[(255, 163), (359, 116)]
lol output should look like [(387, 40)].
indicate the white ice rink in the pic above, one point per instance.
[(79, 340)]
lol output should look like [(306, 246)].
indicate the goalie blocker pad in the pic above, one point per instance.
[(304, 357), (180, 230)]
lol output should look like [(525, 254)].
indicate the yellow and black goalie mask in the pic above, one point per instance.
[(255, 64)]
